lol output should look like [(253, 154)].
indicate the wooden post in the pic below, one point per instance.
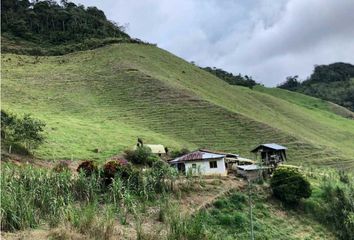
[(250, 208)]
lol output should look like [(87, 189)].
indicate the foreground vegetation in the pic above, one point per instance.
[(45, 196), (327, 214), (89, 206)]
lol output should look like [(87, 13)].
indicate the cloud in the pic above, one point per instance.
[(266, 39)]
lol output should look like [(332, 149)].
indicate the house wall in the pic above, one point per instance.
[(204, 167)]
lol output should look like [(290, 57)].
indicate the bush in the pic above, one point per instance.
[(178, 153), (290, 186), (343, 177), (115, 168), (88, 168), (61, 166), (338, 210), (26, 131), (142, 155)]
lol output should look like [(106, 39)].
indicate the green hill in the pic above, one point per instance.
[(107, 97)]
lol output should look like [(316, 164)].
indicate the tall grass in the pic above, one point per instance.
[(333, 202), (31, 196), (185, 227)]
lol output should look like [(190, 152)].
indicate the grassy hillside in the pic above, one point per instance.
[(107, 97), (229, 219)]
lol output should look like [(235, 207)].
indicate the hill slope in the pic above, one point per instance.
[(106, 97)]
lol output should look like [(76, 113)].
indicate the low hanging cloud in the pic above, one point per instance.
[(266, 39)]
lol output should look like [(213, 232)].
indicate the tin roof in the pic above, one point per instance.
[(271, 146), (251, 167), (197, 155), (219, 152)]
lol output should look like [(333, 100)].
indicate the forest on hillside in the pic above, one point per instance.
[(333, 82), (49, 21), (231, 79)]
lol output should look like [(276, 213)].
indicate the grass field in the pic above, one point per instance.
[(107, 97)]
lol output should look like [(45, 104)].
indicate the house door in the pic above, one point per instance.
[(181, 167)]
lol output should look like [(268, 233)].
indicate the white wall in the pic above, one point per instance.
[(204, 167)]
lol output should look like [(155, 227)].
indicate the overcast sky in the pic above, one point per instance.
[(267, 39)]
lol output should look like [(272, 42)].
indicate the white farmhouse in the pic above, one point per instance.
[(201, 162)]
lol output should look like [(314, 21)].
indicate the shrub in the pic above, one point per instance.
[(116, 168), (110, 169), (61, 166), (343, 177), (338, 210), (26, 131), (178, 153), (290, 186), (221, 203), (88, 168), (142, 155), (239, 220), (225, 219)]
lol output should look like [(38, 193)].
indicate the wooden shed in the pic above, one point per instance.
[(270, 153)]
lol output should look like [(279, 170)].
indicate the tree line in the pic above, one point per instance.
[(53, 22), (333, 82), (240, 80)]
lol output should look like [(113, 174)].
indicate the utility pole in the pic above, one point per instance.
[(250, 207)]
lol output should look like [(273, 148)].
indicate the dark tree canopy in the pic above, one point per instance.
[(291, 83), (240, 80), (333, 82), (289, 186), (48, 21)]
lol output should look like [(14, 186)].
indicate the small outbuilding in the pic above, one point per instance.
[(251, 172), (201, 162), (232, 160), (271, 153), (157, 149)]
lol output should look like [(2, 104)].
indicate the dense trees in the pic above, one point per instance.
[(292, 83), (48, 21), (246, 81), (333, 82)]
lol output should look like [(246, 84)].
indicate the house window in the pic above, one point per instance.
[(194, 165), (213, 164)]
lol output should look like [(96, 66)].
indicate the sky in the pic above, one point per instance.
[(266, 39)]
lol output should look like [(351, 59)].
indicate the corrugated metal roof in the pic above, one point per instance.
[(220, 152), (245, 159), (197, 155), (251, 167), (271, 146)]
